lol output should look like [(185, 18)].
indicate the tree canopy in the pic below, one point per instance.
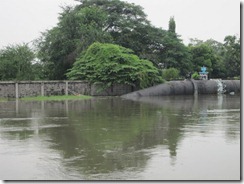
[(105, 21), (123, 24), (16, 63), (112, 64), (172, 25), (232, 56)]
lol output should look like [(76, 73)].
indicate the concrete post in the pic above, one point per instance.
[(17, 106), (42, 89), (16, 90), (66, 88)]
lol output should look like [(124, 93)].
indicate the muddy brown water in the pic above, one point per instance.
[(153, 138)]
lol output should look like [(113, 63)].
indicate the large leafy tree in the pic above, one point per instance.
[(218, 66), (222, 59), (112, 64), (105, 21), (174, 53), (232, 56), (204, 55), (76, 30), (16, 63)]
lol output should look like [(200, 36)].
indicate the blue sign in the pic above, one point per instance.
[(203, 69)]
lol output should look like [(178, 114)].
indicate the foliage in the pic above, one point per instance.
[(16, 63), (112, 64), (222, 60), (216, 48), (76, 30), (175, 54), (195, 76), (38, 71), (170, 74), (232, 56), (203, 55), (104, 21), (121, 23), (172, 25)]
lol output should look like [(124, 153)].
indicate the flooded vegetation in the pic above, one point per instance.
[(151, 138)]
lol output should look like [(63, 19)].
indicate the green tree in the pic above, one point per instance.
[(76, 30), (172, 25), (16, 63), (232, 56), (174, 53), (105, 21), (195, 76), (203, 55), (218, 66), (216, 51), (112, 64), (170, 74)]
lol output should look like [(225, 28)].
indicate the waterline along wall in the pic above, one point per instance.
[(11, 89)]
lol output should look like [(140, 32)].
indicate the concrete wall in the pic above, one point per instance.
[(11, 89), (7, 90), (115, 90)]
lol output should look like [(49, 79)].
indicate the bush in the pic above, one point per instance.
[(170, 74), (110, 64), (195, 76)]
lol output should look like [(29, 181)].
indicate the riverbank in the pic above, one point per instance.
[(3, 100), (51, 98), (56, 98)]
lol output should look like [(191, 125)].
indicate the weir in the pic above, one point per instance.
[(189, 87)]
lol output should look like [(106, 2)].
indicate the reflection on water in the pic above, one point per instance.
[(156, 138)]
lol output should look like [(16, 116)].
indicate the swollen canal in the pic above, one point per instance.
[(152, 138)]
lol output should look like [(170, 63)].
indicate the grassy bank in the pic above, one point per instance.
[(56, 98), (3, 100)]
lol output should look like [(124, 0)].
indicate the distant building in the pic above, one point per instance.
[(203, 74)]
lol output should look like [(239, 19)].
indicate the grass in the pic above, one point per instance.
[(3, 100), (56, 98)]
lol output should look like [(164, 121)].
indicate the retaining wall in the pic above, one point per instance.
[(11, 89)]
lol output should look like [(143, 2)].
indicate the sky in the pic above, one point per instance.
[(22, 21)]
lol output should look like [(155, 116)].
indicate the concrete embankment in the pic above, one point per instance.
[(189, 87), (19, 89)]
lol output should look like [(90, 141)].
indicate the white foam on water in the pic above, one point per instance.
[(220, 85)]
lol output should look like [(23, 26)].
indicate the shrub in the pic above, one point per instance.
[(195, 76), (170, 74), (110, 64)]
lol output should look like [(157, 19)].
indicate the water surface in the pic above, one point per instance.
[(156, 138)]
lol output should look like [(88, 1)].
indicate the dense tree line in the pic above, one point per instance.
[(60, 50), (18, 62)]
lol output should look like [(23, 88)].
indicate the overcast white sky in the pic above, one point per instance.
[(23, 20)]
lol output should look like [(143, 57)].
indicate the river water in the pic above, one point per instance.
[(156, 138)]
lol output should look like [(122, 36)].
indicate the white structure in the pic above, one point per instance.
[(203, 74)]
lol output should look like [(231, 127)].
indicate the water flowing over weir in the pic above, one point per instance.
[(189, 87)]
